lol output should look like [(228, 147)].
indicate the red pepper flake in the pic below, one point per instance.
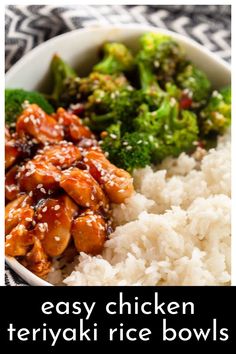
[(185, 102)]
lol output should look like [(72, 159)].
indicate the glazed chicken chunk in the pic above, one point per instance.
[(38, 177), (17, 212), (54, 218), (11, 186), (37, 259), (89, 233), (11, 150), (73, 126), (83, 188), (18, 217), (39, 125), (59, 192), (63, 154), (117, 183)]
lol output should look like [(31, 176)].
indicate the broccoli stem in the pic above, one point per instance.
[(60, 72)]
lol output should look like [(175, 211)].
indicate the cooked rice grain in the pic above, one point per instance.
[(175, 230)]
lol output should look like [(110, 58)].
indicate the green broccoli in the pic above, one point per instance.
[(62, 73), (130, 151), (14, 98), (195, 82), (162, 53), (117, 58), (107, 99), (103, 83), (174, 130), (216, 116), (151, 90), (119, 106), (151, 122)]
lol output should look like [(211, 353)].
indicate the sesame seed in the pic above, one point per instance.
[(11, 188), (57, 238), (43, 226), (57, 207), (39, 186), (26, 120), (113, 136), (44, 209), (42, 190), (28, 219), (8, 237), (30, 193), (195, 143)]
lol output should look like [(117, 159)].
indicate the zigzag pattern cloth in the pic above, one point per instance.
[(28, 26)]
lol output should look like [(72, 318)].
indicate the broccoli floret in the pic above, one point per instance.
[(130, 151), (180, 136), (103, 82), (120, 106), (174, 130), (195, 82), (151, 90), (216, 116), (95, 92), (152, 122), (152, 93), (108, 98), (14, 98), (162, 52), (62, 73), (117, 58)]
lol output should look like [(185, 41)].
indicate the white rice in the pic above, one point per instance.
[(175, 229)]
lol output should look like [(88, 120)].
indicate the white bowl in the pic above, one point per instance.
[(80, 49)]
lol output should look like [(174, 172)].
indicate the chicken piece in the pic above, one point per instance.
[(18, 211), (37, 261), (117, 183), (38, 177), (18, 241), (89, 233), (11, 153), (54, 218), (11, 150), (62, 155), (73, 125), (36, 123), (11, 186), (83, 188)]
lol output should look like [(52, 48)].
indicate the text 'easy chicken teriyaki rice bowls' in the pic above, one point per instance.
[(121, 176)]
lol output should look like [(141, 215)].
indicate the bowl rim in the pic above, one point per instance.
[(23, 272)]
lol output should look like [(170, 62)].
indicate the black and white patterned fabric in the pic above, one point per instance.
[(28, 26)]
